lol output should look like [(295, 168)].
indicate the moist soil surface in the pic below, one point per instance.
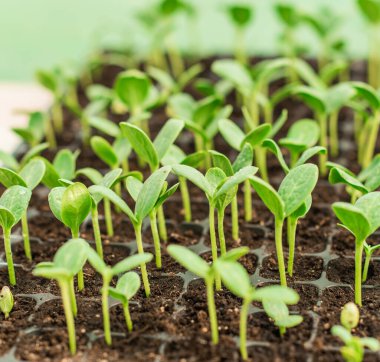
[(173, 324)]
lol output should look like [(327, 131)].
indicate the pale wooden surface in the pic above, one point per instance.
[(15, 98)]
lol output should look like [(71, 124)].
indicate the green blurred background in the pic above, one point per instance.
[(41, 33)]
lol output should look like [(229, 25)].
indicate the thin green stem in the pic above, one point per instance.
[(185, 197), (334, 138), (105, 310), (57, 116), (240, 53), (214, 247), (322, 118), (222, 239), (243, 328), (108, 217), (25, 235), (75, 235), (282, 331), (156, 238), (162, 224), (247, 201), (369, 148), (117, 188), (293, 158), (66, 301), (261, 159), (279, 250), (368, 255), (50, 134), (127, 315), (8, 256), (292, 226), (140, 249), (212, 311), (73, 300), (358, 271), (235, 218), (96, 228)]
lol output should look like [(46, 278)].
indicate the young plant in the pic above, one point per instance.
[(292, 195), (219, 190), (361, 220), (134, 187), (195, 264), (353, 349), (68, 261), (29, 176), (107, 274), (126, 288), (274, 299), (145, 203), (13, 204), (6, 301), (71, 205), (34, 132), (153, 152)]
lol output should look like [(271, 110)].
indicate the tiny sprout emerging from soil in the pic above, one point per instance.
[(126, 288), (353, 349), (71, 205), (361, 219), (68, 261), (13, 205), (30, 177), (34, 132), (6, 301), (107, 274), (145, 203), (291, 201), (195, 264)]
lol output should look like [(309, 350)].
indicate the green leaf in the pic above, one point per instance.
[(47, 80), (72, 256), (34, 151), (131, 262), (55, 201), (141, 144), (279, 123), (25, 134), (272, 146), (370, 9), (188, 259), (51, 272), (256, 136), (240, 14), (182, 105), (194, 176), (104, 125), (222, 162), (103, 149), (51, 177), (33, 173), (10, 178), (371, 343), (367, 92), (16, 200), (93, 175), (276, 293), (174, 156), (96, 261), (309, 153), (128, 284), (342, 333), (369, 205), (297, 185), (269, 196), (353, 219), (231, 132), (303, 209), (76, 205), (7, 220), (167, 135), (234, 254), (168, 193), (194, 159), (150, 193), (134, 187), (65, 164), (289, 321), (206, 111), (215, 176), (312, 97), (275, 309), (338, 96), (338, 175), (122, 148), (243, 159), (8, 160), (111, 177)]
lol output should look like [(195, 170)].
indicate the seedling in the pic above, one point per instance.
[(29, 176), (293, 193), (353, 349), (71, 205), (134, 187), (361, 220), (6, 301), (68, 261), (126, 288), (107, 274), (145, 203), (274, 299), (369, 250), (219, 190), (153, 152), (196, 265), (34, 132), (175, 156), (13, 204)]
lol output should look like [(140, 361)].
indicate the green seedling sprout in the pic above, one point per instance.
[(219, 190), (369, 250), (353, 349), (34, 132), (274, 299), (107, 274), (195, 264), (244, 159), (71, 206), (126, 288), (153, 152), (13, 204), (145, 203), (240, 16), (68, 261), (289, 202), (6, 301), (134, 187), (30, 177), (175, 156), (361, 220)]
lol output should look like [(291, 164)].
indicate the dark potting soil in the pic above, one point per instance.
[(173, 325)]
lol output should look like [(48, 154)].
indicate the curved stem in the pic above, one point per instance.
[(279, 250), (212, 311), (235, 218), (140, 249), (214, 247), (222, 239), (358, 271), (368, 255), (127, 315), (156, 238), (243, 328), (75, 235), (334, 138), (66, 301), (162, 224), (25, 235), (8, 256), (292, 226), (108, 217), (105, 311), (247, 201), (322, 118), (261, 159), (96, 228), (185, 197), (73, 300)]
